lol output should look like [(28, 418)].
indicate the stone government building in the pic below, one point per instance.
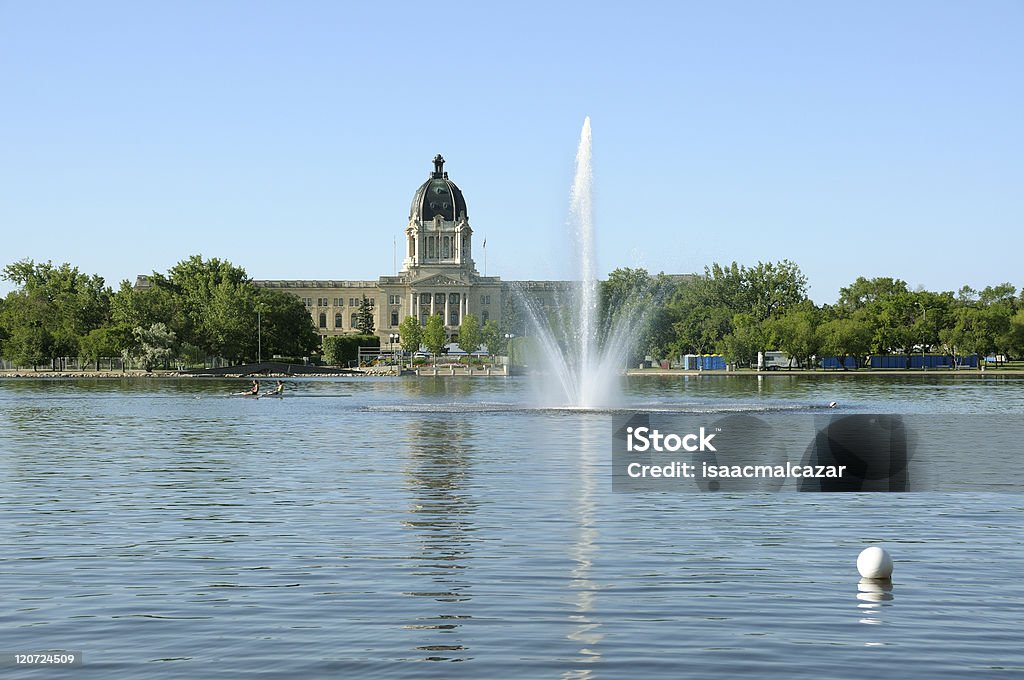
[(438, 275)]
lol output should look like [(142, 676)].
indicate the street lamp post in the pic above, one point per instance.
[(924, 330), (259, 336), (394, 338), (508, 348)]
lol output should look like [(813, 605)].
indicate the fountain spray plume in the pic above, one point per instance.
[(582, 215), (584, 359)]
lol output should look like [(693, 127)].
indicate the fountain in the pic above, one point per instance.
[(582, 355)]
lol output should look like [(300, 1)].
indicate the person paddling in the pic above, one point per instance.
[(255, 388), (280, 388)]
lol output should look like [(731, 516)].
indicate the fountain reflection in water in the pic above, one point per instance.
[(582, 357)]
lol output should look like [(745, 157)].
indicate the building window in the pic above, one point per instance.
[(354, 320), (373, 302), (453, 318), (339, 302), (323, 320), (394, 318), (485, 299), (424, 298), (307, 301), (321, 302), (337, 320), (453, 298), (395, 299), (485, 315), (351, 302), (439, 299)]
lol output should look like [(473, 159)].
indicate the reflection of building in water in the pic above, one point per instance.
[(438, 276), (438, 461)]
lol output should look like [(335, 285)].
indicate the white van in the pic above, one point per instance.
[(773, 361)]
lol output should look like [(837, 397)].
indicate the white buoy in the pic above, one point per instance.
[(833, 404), (874, 562)]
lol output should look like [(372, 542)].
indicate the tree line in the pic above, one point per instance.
[(198, 308), (210, 308), (738, 311)]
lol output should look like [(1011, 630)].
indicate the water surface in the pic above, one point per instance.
[(446, 527)]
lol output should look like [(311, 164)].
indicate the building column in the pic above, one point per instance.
[(446, 308), (432, 296)]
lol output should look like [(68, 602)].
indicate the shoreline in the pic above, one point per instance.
[(888, 372), (18, 374), (152, 375)]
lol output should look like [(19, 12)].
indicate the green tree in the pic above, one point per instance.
[(364, 317), (4, 333), (331, 350), (975, 330), (513, 318), (106, 341), (469, 334), (844, 337), (27, 346), (699, 330), (795, 332), (1015, 335), (773, 287), (934, 312), (229, 321), (411, 334), (744, 342), (701, 310), (492, 338), (434, 337), (893, 323), (25, 320), (154, 346), (338, 350), (864, 292), (286, 326), (623, 294), (52, 309), (1001, 293), (632, 301), (209, 296), (133, 306)]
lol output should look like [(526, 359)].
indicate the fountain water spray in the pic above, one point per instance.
[(584, 359)]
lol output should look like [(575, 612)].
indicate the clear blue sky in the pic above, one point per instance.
[(859, 138)]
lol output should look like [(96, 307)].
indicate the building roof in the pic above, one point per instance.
[(438, 196), (313, 284)]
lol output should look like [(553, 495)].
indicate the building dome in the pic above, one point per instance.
[(438, 196)]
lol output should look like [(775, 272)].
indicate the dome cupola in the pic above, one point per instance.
[(438, 196), (438, 235)]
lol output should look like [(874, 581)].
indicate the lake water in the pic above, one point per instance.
[(445, 527)]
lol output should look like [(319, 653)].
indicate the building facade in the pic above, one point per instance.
[(438, 275)]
